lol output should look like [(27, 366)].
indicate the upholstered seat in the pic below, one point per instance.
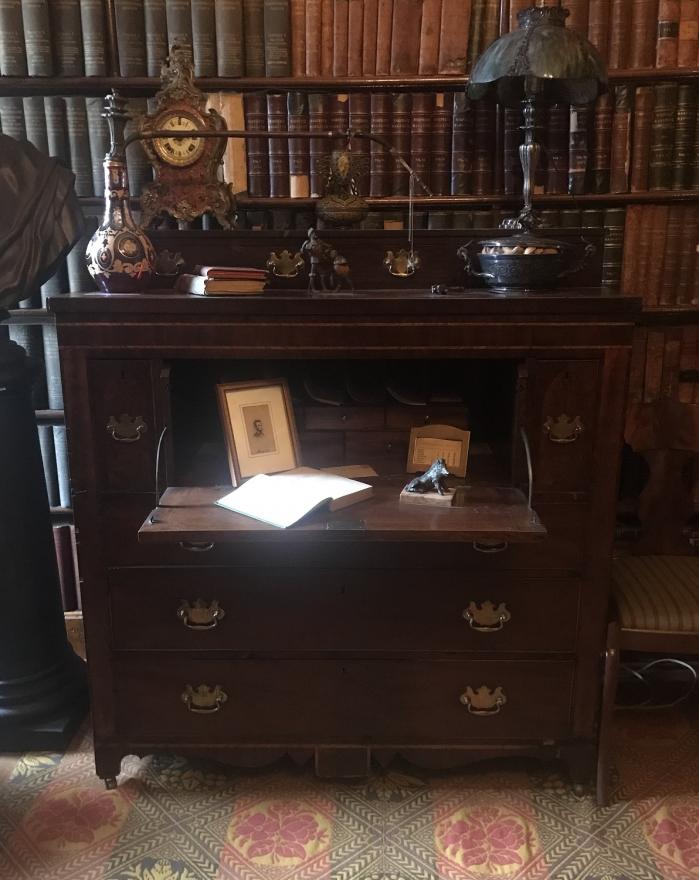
[(657, 594)]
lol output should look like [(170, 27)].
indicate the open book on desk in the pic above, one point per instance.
[(283, 499)]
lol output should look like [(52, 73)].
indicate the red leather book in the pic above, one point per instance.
[(598, 26), (668, 38), (602, 144), (644, 28), (429, 36), (641, 259), (299, 156), (557, 137), (578, 149), (484, 113), (490, 29), (318, 120), (632, 234), (371, 23), (255, 108), (384, 30), (656, 260), (440, 172), (380, 173), (462, 146), (360, 120), (619, 20), (405, 39), (400, 138), (327, 26), (340, 36), (423, 104), (512, 138), (475, 32), (298, 37), (644, 103), (688, 42), (621, 141), (453, 37), (670, 276), (313, 37), (689, 237), (278, 147), (355, 30)]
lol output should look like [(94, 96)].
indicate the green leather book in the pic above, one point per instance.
[(254, 26), (131, 37), (37, 37), (204, 37), (685, 148), (662, 136), (277, 29), (13, 57), (230, 57), (92, 18), (156, 35), (66, 27)]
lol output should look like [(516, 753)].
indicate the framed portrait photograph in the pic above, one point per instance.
[(258, 423)]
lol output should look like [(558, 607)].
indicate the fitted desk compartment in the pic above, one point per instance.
[(391, 631)]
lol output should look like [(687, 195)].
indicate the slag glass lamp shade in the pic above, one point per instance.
[(542, 59)]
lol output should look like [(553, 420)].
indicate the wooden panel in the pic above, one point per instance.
[(272, 610), (351, 701), (343, 418), (417, 416), (385, 451)]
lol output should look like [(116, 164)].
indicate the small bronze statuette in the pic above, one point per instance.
[(403, 263), (285, 264), (341, 204), (432, 480), (328, 270), (168, 264)]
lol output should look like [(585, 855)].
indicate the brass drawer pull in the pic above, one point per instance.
[(204, 700), (483, 701), (197, 546), (126, 428), (486, 617), (490, 546), (200, 614), (563, 428)]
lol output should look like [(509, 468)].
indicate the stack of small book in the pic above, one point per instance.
[(222, 280)]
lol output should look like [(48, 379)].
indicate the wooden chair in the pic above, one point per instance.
[(657, 611)]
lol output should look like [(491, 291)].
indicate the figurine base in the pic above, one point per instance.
[(430, 499)]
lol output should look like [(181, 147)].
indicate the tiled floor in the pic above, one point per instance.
[(172, 819)]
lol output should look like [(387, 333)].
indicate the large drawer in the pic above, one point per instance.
[(324, 701), (267, 610)]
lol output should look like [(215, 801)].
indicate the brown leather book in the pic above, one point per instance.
[(598, 26), (380, 174), (405, 40), (319, 148), (644, 103), (688, 42), (512, 138), (637, 368), (490, 28), (401, 106), (557, 139), (516, 6), (669, 383), (313, 37), (355, 30), (621, 141), (462, 146), (255, 107), (254, 41), (694, 171), (422, 110), (652, 381), (689, 237), (579, 15), (371, 23), (299, 157), (453, 37), (644, 27), (602, 144), (384, 30), (340, 36), (670, 276), (689, 360), (668, 33), (429, 36), (662, 136), (656, 261), (613, 246), (475, 32), (278, 147), (360, 120), (298, 37), (619, 19), (327, 25), (641, 258), (483, 147), (578, 148), (684, 148), (440, 172), (339, 119), (632, 234)]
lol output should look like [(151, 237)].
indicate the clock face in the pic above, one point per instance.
[(178, 151)]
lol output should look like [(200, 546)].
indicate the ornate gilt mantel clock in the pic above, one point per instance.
[(186, 169)]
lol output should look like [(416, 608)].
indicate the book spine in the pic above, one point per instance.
[(475, 33), (318, 120), (313, 38), (598, 26), (37, 38), (602, 144), (429, 37), (340, 36), (355, 31), (297, 16), (644, 103), (228, 23), (131, 37), (652, 379), (67, 42), (278, 147), (56, 129), (339, 119), (384, 29), (94, 36), (579, 15), (557, 139), (667, 43), (369, 36), (155, 23), (491, 23), (517, 6), (327, 25), (80, 162), (512, 138), (35, 123), (453, 36), (204, 37), (64, 563), (48, 462), (461, 146), (621, 142), (684, 147), (613, 245), (254, 29), (670, 275), (632, 233), (644, 18), (656, 257), (694, 171), (99, 141), (380, 173), (662, 136), (641, 258), (277, 25), (360, 120), (483, 147), (638, 364), (12, 118), (255, 108), (178, 14), (688, 42), (13, 54), (421, 114), (405, 40), (578, 149), (400, 138), (688, 244), (619, 17), (689, 360), (440, 172), (671, 363)]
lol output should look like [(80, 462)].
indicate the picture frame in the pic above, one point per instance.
[(438, 441), (259, 427)]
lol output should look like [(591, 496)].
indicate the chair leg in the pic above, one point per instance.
[(611, 677)]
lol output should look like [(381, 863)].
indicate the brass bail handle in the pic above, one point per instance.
[(204, 700), (200, 615), (483, 701), (486, 617)]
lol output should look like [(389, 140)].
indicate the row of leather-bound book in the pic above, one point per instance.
[(663, 361)]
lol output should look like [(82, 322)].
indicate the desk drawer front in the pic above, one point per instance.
[(270, 610), (301, 701)]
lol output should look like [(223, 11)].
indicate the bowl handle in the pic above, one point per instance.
[(466, 257), (587, 253)]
